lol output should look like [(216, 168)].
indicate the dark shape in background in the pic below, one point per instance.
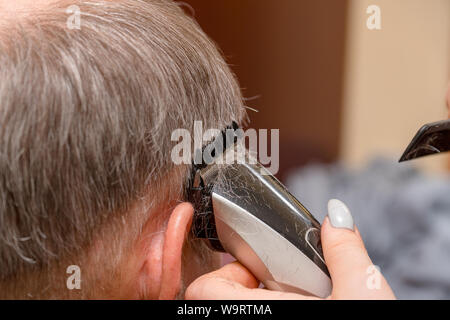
[(431, 138)]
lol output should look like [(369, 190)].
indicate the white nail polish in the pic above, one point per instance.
[(339, 214)]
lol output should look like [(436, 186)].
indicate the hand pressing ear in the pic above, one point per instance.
[(352, 273)]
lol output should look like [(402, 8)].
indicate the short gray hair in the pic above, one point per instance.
[(86, 118)]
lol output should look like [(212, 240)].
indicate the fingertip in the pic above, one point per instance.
[(332, 237), (340, 215)]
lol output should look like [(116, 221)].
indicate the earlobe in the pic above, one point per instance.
[(177, 229)]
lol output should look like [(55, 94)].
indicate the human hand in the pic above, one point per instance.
[(352, 272)]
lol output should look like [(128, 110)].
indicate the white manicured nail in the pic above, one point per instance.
[(339, 214)]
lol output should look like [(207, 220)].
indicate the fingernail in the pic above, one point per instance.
[(339, 214)]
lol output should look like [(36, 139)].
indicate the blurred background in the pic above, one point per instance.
[(334, 88), (347, 101)]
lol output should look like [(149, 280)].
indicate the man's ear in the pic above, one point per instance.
[(162, 268)]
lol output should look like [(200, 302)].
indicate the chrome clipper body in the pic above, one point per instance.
[(244, 210)]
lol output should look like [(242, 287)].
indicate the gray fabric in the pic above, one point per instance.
[(402, 214)]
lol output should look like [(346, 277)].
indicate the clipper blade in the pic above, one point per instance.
[(199, 191)]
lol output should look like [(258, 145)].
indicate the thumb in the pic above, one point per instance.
[(352, 272)]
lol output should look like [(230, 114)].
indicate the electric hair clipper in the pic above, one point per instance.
[(432, 138), (242, 209)]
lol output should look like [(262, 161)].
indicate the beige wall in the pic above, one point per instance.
[(396, 77)]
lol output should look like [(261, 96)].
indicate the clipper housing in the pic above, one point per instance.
[(241, 208)]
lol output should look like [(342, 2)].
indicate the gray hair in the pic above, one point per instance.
[(86, 118)]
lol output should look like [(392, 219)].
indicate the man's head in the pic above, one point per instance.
[(86, 118)]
